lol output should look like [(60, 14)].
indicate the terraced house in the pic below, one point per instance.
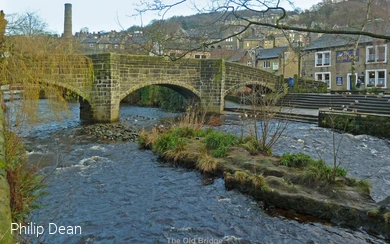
[(330, 59)]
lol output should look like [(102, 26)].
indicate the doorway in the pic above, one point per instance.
[(349, 79)]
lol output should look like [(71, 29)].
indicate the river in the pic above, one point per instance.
[(117, 193)]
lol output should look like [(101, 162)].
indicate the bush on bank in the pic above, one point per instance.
[(26, 184), (357, 124)]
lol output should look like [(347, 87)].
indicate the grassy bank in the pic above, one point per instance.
[(20, 187), (5, 198), (294, 182)]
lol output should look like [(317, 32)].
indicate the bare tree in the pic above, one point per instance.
[(264, 126), (27, 24), (242, 15)]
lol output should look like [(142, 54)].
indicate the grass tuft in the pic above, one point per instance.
[(206, 163), (258, 181), (386, 216), (372, 213), (240, 176)]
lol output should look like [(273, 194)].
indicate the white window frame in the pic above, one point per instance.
[(230, 39), (374, 58), (374, 82), (320, 62), (91, 45), (267, 64), (329, 83), (275, 65)]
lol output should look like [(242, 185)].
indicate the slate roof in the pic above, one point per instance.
[(333, 40), (329, 40), (238, 55), (269, 53), (103, 41), (90, 40)]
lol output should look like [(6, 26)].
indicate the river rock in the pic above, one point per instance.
[(113, 132)]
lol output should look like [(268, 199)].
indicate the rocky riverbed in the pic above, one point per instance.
[(111, 132)]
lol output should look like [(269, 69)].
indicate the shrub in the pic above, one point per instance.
[(26, 184)]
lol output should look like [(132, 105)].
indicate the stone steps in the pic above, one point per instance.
[(362, 103), (296, 117)]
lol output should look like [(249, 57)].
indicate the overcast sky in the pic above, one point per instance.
[(99, 15)]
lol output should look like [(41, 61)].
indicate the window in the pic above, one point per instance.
[(91, 44), (322, 59), (324, 77), (267, 64), (275, 65), (203, 56), (197, 56), (375, 54), (230, 39), (101, 46), (376, 78), (116, 46)]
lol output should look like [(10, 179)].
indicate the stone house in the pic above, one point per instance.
[(252, 42), (278, 60), (329, 59)]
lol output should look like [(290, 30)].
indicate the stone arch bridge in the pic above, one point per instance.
[(205, 80)]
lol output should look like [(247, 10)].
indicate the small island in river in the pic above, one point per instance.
[(293, 182)]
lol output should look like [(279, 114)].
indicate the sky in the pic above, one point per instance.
[(99, 15)]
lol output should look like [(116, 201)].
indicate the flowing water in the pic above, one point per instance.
[(117, 193)]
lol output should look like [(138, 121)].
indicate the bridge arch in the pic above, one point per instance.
[(183, 89), (248, 83), (70, 88), (84, 100)]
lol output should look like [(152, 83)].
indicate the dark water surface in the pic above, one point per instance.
[(119, 194)]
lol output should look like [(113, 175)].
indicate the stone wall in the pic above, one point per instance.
[(5, 210)]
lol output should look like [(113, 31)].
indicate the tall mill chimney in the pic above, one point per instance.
[(68, 21)]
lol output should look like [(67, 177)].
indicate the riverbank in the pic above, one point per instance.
[(118, 193), (280, 182), (5, 195)]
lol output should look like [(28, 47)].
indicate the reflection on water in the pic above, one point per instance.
[(120, 194)]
